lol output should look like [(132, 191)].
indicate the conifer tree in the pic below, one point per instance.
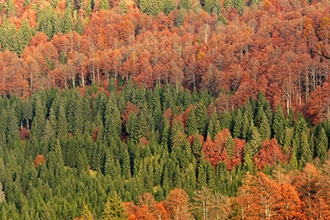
[(48, 21), (191, 124), (86, 214), (278, 124), (201, 118), (24, 36), (7, 36), (238, 124), (114, 208), (321, 144), (104, 4), (305, 151)]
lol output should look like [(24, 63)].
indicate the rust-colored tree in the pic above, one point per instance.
[(177, 205)]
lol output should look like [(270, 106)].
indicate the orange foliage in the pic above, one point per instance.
[(262, 197), (40, 159), (270, 154)]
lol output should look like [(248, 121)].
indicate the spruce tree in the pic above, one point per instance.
[(321, 144), (114, 208), (278, 124), (201, 118), (191, 124), (104, 4), (24, 36), (305, 151)]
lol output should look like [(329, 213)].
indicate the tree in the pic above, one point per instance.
[(2, 194), (311, 188), (86, 214), (321, 144), (278, 124), (104, 4), (176, 204), (263, 197), (24, 36), (48, 21), (67, 24), (209, 205), (114, 208)]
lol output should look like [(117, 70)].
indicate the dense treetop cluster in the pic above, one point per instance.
[(164, 109), (239, 47), (64, 153)]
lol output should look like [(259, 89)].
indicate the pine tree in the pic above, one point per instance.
[(179, 18), (278, 124), (169, 6), (191, 124), (185, 4), (67, 21), (201, 118), (62, 124), (86, 214), (305, 151), (114, 208), (264, 128), (239, 5), (321, 144), (238, 124), (48, 21), (104, 4), (24, 36), (8, 36)]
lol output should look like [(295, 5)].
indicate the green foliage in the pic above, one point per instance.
[(88, 148), (104, 4), (8, 36), (67, 23), (114, 208), (48, 21)]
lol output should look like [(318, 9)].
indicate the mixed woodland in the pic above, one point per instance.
[(164, 109)]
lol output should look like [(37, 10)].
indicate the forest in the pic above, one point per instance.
[(164, 109)]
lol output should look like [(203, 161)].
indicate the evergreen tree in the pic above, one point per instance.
[(201, 118), (169, 6), (239, 5), (24, 36), (264, 128), (191, 124), (104, 4), (11, 126), (238, 124), (180, 18), (10, 8), (67, 23), (62, 124), (114, 208), (321, 144), (305, 151), (8, 36), (185, 4), (86, 214), (278, 124), (214, 126), (79, 28), (48, 21)]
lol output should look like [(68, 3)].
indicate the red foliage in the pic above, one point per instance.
[(40, 159), (128, 110), (270, 154), (95, 133), (216, 151), (24, 134)]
